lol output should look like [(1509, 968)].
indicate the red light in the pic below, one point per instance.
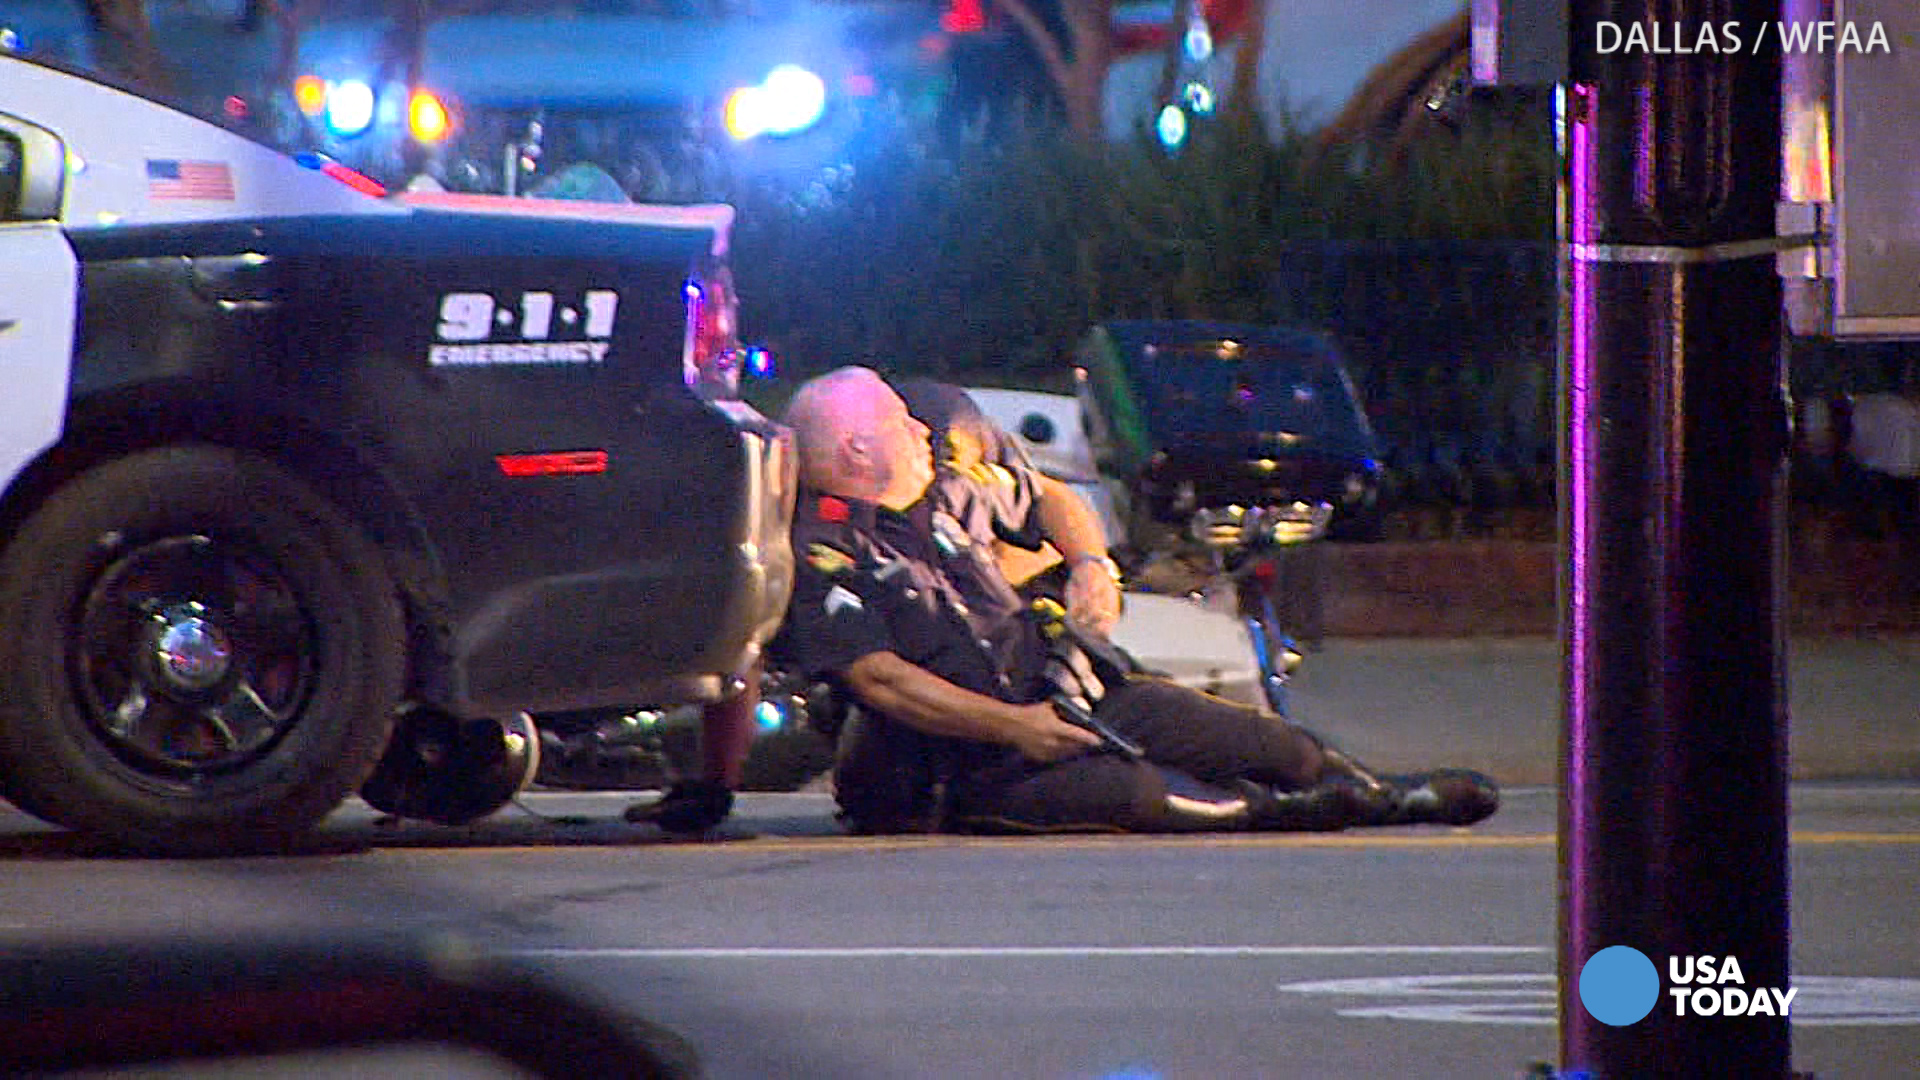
[(964, 17), (714, 357), (236, 107), (357, 181), (566, 463)]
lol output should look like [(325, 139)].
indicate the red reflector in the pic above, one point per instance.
[(571, 463), (360, 182)]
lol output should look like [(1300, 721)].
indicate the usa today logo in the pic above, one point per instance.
[(1620, 986)]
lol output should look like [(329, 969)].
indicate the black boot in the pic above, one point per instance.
[(1321, 808), (1444, 797), (1441, 797), (1370, 799), (691, 806)]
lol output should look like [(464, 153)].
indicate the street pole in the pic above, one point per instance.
[(1674, 799)]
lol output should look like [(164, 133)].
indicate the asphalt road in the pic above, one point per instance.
[(786, 949)]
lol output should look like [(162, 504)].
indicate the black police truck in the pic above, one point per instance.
[(308, 490)]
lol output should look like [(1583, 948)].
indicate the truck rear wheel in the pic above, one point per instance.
[(208, 656)]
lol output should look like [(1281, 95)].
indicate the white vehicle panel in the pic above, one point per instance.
[(1196, 641), (38, 282), (714, 217), (122, 148), (1067, 456)]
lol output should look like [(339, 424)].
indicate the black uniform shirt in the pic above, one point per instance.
[(868, 580)]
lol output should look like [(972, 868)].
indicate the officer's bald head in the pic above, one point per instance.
[(857, 439), (828, 411)]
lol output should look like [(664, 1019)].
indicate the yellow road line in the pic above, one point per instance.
[(1359, 841)]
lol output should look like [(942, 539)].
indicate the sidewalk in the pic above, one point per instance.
[(1495, 703)]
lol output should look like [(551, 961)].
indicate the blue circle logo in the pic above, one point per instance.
[(1619, 985)]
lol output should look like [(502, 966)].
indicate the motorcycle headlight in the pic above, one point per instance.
[(1235, 526)]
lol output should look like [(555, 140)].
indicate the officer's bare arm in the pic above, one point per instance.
[(1074, 535), (926, 702), (1072, 525), (1069, 521)]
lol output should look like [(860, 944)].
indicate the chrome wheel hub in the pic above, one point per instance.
[(190, 653)]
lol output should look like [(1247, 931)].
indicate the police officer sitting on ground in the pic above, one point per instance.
[(1045, 537), (986, 478), (976, 715)]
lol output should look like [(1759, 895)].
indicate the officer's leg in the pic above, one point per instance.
[(1221, 741), (1095, 792), (1213, 739), (886, 776), (700, 803), (1107, 792)]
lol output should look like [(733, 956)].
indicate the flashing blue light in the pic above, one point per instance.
[(1199, 97), (789, 100), (759, 362), (770, 716), (692, 292), (1171, 127), (349, 108), (1199, 39), (797, 98)]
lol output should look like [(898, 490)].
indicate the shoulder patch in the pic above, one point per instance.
[(991, 474), (828, 559)]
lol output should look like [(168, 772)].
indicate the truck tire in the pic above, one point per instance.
[(208, 655), (23, 803)]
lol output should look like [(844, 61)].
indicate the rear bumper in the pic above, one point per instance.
[(649, 632)]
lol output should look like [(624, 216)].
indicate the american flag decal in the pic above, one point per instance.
[(206, 180)]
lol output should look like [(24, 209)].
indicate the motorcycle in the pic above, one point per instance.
[(1243, 547)]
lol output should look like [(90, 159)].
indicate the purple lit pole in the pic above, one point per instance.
[(1674, 797)]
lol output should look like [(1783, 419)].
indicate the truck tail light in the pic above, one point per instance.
[(713, 356)]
